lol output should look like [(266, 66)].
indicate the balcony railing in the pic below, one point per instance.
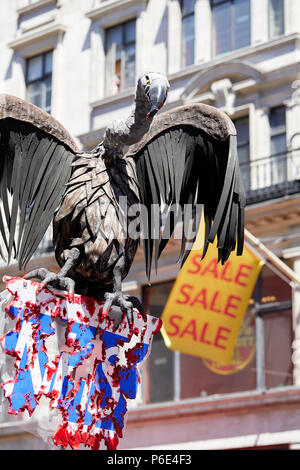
[(272, 177)]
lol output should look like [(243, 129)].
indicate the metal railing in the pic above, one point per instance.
[(273, 176)]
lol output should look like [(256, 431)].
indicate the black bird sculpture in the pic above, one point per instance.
[(184, 156)]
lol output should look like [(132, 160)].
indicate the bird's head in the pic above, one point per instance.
[(153, 89)]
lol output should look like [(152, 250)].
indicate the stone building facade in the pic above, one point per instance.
[(80, 60)]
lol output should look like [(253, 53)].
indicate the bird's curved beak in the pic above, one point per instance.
[(157, 96)]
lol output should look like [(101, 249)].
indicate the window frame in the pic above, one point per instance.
[(279, 130), (184, 16), (278, 159), (44, 76), (244, 144), (124, 45), (261, 311), (232, 30)]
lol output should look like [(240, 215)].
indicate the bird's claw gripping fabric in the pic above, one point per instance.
[(120, 300)]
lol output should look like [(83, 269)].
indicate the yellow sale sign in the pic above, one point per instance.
[(207, 304)]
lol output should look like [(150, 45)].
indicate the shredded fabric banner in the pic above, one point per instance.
[(66, 350), (207, 304)]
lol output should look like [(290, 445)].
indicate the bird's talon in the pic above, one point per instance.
[(121, 301), (53, 280)]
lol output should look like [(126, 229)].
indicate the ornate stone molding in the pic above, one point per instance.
[(224, 95)]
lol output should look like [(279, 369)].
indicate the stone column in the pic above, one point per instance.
[(97, 62), (18, 85), (57, 106), (142, 41), (259, 21), (174, 36), (203, 31), (291, 16)]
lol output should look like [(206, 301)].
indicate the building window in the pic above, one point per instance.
[(276, 18), (231, 20), (242, 128), (120, 57), (278, 145), (278, 130), (39, 80), (188, 32)]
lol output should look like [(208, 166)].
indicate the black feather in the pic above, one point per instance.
[(185, 165), (35, 166)]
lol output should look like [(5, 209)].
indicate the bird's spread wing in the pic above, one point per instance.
[(189, 157), (35, 164)]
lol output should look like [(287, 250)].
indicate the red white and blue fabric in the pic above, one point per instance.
[(88, 376)]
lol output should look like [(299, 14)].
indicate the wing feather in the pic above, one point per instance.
[(187, 163), (35, 166)]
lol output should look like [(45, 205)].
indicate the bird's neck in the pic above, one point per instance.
[(130, 131)]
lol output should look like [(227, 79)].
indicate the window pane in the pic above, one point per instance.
[(243, 155), (222, 24), (160, 367), (242, 128), (39, 80), (120, 57), (130, 32), (277, 331), (188, 27), (242, 23), (48, 92), (278, 144), (129, 78), (34, 68), (276, 18), (278, 364), (114, 36), (277, 120), (160, 364), (201, 377), (34, 94), (188, 6), (39, 93), (48, 63), (232, 25)]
